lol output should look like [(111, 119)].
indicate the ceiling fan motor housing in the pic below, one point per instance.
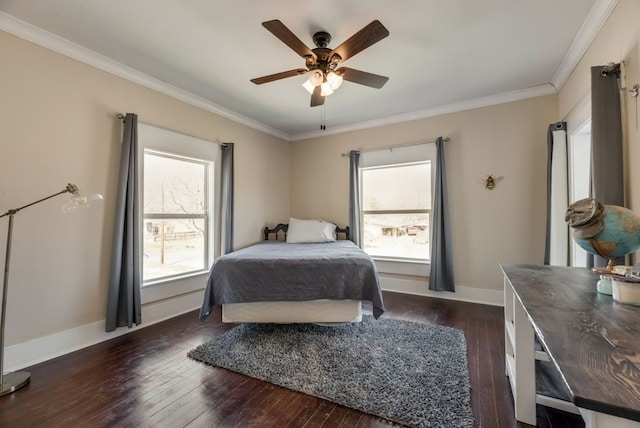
[(323, 60), (321, 39)]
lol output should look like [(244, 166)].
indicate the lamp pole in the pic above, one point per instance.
[(11, 382), (16, 380)]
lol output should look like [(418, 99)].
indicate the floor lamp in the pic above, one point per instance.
[(11, 382)]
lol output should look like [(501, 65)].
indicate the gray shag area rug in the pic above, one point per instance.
[(406, 372)]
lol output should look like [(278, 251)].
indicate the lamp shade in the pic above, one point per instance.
[(308, 86), (316, 77), (334, 80), (78, 199), (326, 89)]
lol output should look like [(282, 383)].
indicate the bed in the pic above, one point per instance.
[(288, 281)]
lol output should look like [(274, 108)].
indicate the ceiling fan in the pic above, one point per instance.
[(322, 62)]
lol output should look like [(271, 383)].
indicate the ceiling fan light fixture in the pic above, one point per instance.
[(316, 77), (326, 89), (308, 86), (334, 80)]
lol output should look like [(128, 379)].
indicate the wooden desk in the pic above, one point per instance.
[(591, 341)]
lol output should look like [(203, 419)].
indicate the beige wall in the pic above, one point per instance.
[(57, 125), (617, 41), (489, 227)]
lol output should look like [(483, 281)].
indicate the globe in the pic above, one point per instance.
[(608, 231)]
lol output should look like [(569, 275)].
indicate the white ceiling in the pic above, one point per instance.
[(440, 56)]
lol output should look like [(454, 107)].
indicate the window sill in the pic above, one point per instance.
[(173, 278), (403, 267), (168, 288)]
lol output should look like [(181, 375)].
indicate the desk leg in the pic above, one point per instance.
[(525, 373)]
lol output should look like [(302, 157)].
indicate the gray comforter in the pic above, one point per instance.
[(277, 271)]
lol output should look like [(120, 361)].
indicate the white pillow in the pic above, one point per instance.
[(307, 231)]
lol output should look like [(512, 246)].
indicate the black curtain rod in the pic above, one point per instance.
[(373, 149), (122, 117)]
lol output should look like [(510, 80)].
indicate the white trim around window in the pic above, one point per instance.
[(396, 156), (166, 141)]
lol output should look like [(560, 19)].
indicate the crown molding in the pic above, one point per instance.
[(596, 18), (536, 91), (593, 23), (50, 41)]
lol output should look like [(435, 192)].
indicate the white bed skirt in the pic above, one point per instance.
[(312, 311)]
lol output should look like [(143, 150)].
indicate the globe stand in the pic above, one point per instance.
[(604, 270)]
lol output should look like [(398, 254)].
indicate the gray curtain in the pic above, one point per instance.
[(355, 209), (607, 182), (123, 300), (441, 275), (226, 170), (556, 250)]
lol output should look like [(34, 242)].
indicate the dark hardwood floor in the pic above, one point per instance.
[(145, 379)]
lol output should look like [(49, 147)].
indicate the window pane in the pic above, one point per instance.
[(173, 247), (173, 186), (579, 163), (397, 235), (400, 187)]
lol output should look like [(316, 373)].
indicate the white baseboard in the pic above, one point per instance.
[(421, 288), (35, 351)]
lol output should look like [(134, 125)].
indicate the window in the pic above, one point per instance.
[(579, 179), (178, 211), (396, 207), (176, 237), (579, 166)]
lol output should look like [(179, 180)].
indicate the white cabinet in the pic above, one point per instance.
[(527, 364)]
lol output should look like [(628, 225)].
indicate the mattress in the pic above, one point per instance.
[(312, 311)]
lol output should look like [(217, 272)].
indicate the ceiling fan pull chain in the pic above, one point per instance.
[(323, 127)]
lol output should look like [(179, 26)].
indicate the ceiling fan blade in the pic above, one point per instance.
[(362, 77), (278, 29), (278, 76), (316, 98), (370, 34)]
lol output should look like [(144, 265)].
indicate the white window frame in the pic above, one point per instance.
[(208, 169), (175, 144), (398, 156), (579, 117)]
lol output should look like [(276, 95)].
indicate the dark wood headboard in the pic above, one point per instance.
[(285, 227)]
